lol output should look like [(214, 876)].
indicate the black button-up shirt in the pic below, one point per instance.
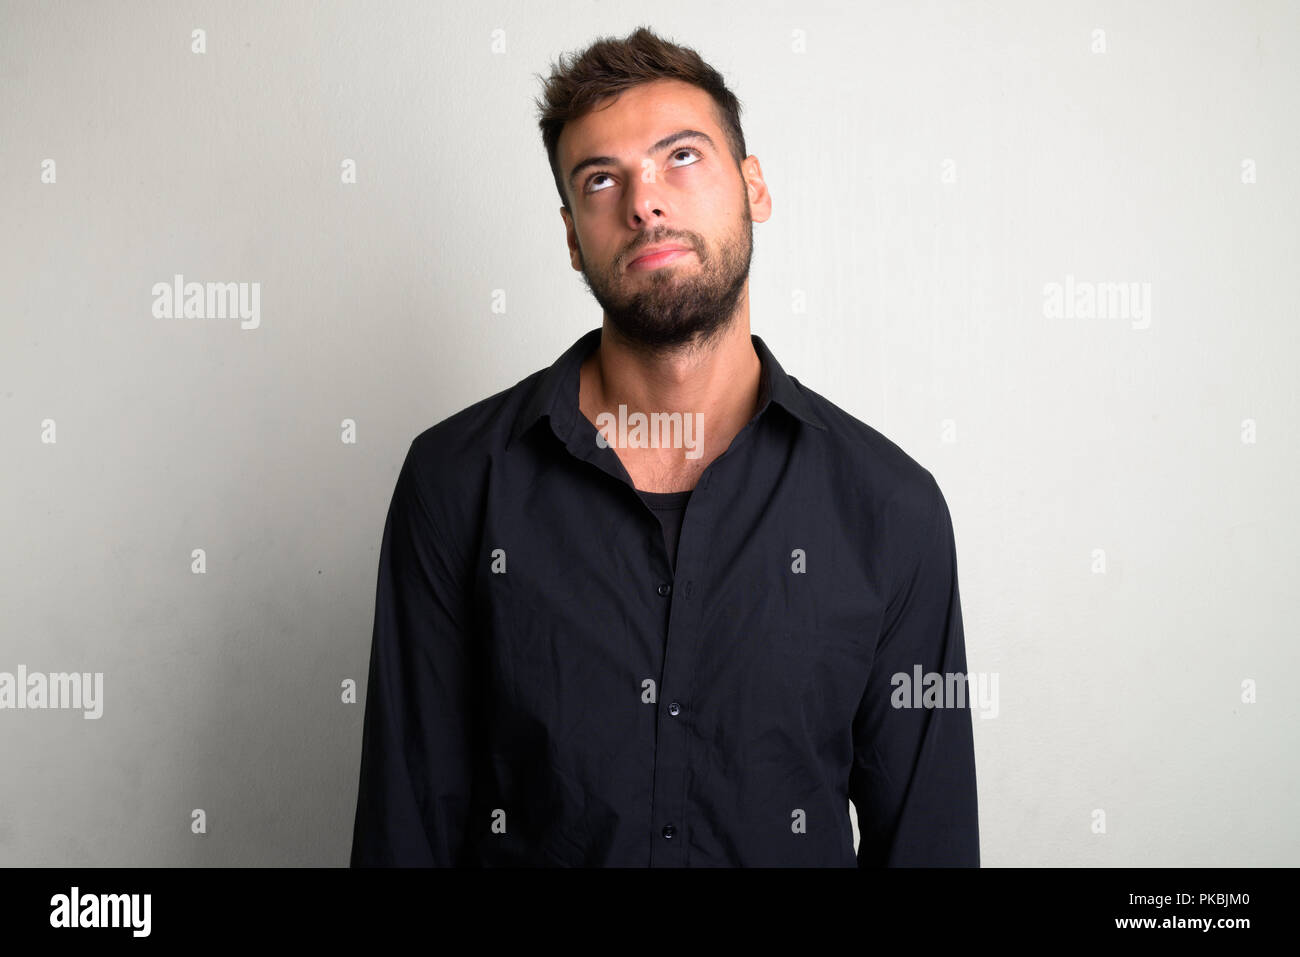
[(547, 688)]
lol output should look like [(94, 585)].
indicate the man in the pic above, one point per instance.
[(594, 649)]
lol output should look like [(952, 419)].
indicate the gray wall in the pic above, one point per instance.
[(1127, 539)]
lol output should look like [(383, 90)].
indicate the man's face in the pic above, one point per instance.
[(644, 192)]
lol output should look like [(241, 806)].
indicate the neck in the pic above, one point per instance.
[(718, 380)]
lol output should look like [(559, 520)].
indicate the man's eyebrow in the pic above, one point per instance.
[(664, 143)]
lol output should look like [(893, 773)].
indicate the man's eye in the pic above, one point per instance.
[(685, 149)]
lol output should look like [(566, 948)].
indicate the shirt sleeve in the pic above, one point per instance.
[(414, 792), (913, 777)]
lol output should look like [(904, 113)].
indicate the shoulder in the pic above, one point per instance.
[(447, 463), (476, 430), (882, 478), (890, 501)]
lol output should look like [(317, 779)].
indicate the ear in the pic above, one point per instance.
[(571, 236), (760, 200)]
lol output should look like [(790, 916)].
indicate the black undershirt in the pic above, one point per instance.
[(670, 508)]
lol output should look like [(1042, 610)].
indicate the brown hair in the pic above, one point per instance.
[(611, 65)]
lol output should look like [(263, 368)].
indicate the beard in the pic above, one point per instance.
[(680, 304)]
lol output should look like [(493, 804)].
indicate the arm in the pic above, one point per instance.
[(415, 777), (913, 775)]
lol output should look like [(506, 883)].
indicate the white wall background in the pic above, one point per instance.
[(933, 166)]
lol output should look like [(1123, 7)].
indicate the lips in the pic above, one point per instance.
[(658, 255)]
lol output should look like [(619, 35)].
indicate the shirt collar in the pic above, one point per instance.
[(555, 393)]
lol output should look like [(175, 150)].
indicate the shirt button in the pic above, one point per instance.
[(674, 708), (665, 589), (669, 830)]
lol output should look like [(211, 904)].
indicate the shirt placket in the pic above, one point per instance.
[(681, 644)]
